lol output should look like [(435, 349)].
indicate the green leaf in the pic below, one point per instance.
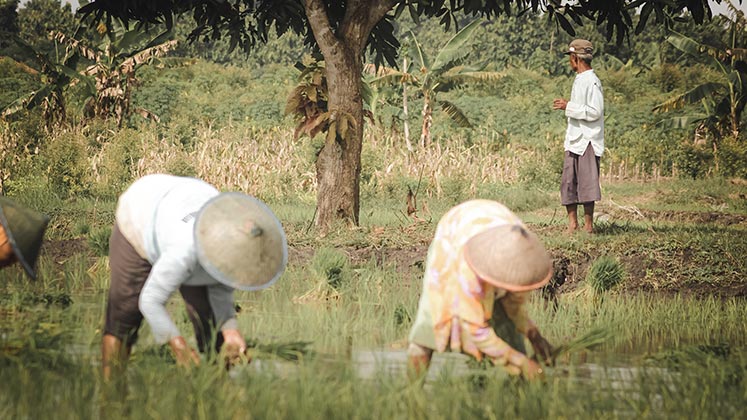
[(38, 96), (695, 49), (455, 113), (567, 27), (454, 48), (473, 76), (691, 97), (645, 13), (424, 61), (735, 80), (681, 122), (393, 78), (413, 13)]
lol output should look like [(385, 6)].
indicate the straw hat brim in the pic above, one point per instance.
[(240, 242), (25, 230), (509, 257)]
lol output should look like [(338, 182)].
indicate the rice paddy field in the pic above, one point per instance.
[(650, 310), (659, 291)]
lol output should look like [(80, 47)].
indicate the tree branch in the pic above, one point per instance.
[(360, 18), (379, 10), (316, 13)]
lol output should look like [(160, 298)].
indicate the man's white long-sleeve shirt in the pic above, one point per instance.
[(157, 214), (585, 112)]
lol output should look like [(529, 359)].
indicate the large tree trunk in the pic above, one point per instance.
[(338, 166)]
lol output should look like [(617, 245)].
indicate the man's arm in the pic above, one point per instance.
[(592, 109), (167, 274), (222, 303)]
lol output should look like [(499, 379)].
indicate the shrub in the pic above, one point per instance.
[(693, 160), (98, 240), (67, 164), (115, 163), (605, 273), (544, 167), (331, 266), (732, 157), (667, 77)]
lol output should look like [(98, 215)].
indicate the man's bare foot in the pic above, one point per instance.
[(572, 229), (589, 229)]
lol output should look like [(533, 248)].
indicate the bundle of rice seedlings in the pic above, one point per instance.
[(291, 351), (587, 341), (699, 354), (605, 273), (330, 270)]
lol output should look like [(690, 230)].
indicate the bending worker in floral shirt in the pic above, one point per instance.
[(481, 266)]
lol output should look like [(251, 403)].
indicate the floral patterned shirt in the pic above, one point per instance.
[(460, 304)]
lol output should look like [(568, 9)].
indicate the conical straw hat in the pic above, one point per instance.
[(240, 242), (25, 229), (510, 257)]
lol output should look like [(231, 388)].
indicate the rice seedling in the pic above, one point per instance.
[(98, 240), (587, 341), (605, 273), (290, 351), (329, 270)]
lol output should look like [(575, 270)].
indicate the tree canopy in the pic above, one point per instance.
[(248, 22), (342, 31)]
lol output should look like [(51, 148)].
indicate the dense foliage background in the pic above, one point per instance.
[(202, 88)]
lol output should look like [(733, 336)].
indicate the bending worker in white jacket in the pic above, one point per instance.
[(584, 137), (173, 233)]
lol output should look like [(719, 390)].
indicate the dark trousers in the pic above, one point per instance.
[(129, 271), (579, 182)]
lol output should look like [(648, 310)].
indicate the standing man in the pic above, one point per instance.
[(481, 266), (21, 234), (173, 233), (584, 138)]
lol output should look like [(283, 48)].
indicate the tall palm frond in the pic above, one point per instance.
[(692, 96)]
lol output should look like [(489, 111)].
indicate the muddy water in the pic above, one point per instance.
[(618, 371)]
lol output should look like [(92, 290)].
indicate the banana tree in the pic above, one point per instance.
[(111, 78), (723, 100), (56, 76), (445, 72)]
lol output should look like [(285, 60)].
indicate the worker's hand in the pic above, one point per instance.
[(185, 355), (532, 371), (542, 347), (234, 348), (559, 104)]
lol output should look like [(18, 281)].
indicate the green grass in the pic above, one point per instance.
[(55, 324), (681, 243)]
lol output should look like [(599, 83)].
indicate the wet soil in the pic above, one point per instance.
[(569, 274)]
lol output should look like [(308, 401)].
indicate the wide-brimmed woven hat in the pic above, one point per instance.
[(25, 230), (240, 242), (510, 257)]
